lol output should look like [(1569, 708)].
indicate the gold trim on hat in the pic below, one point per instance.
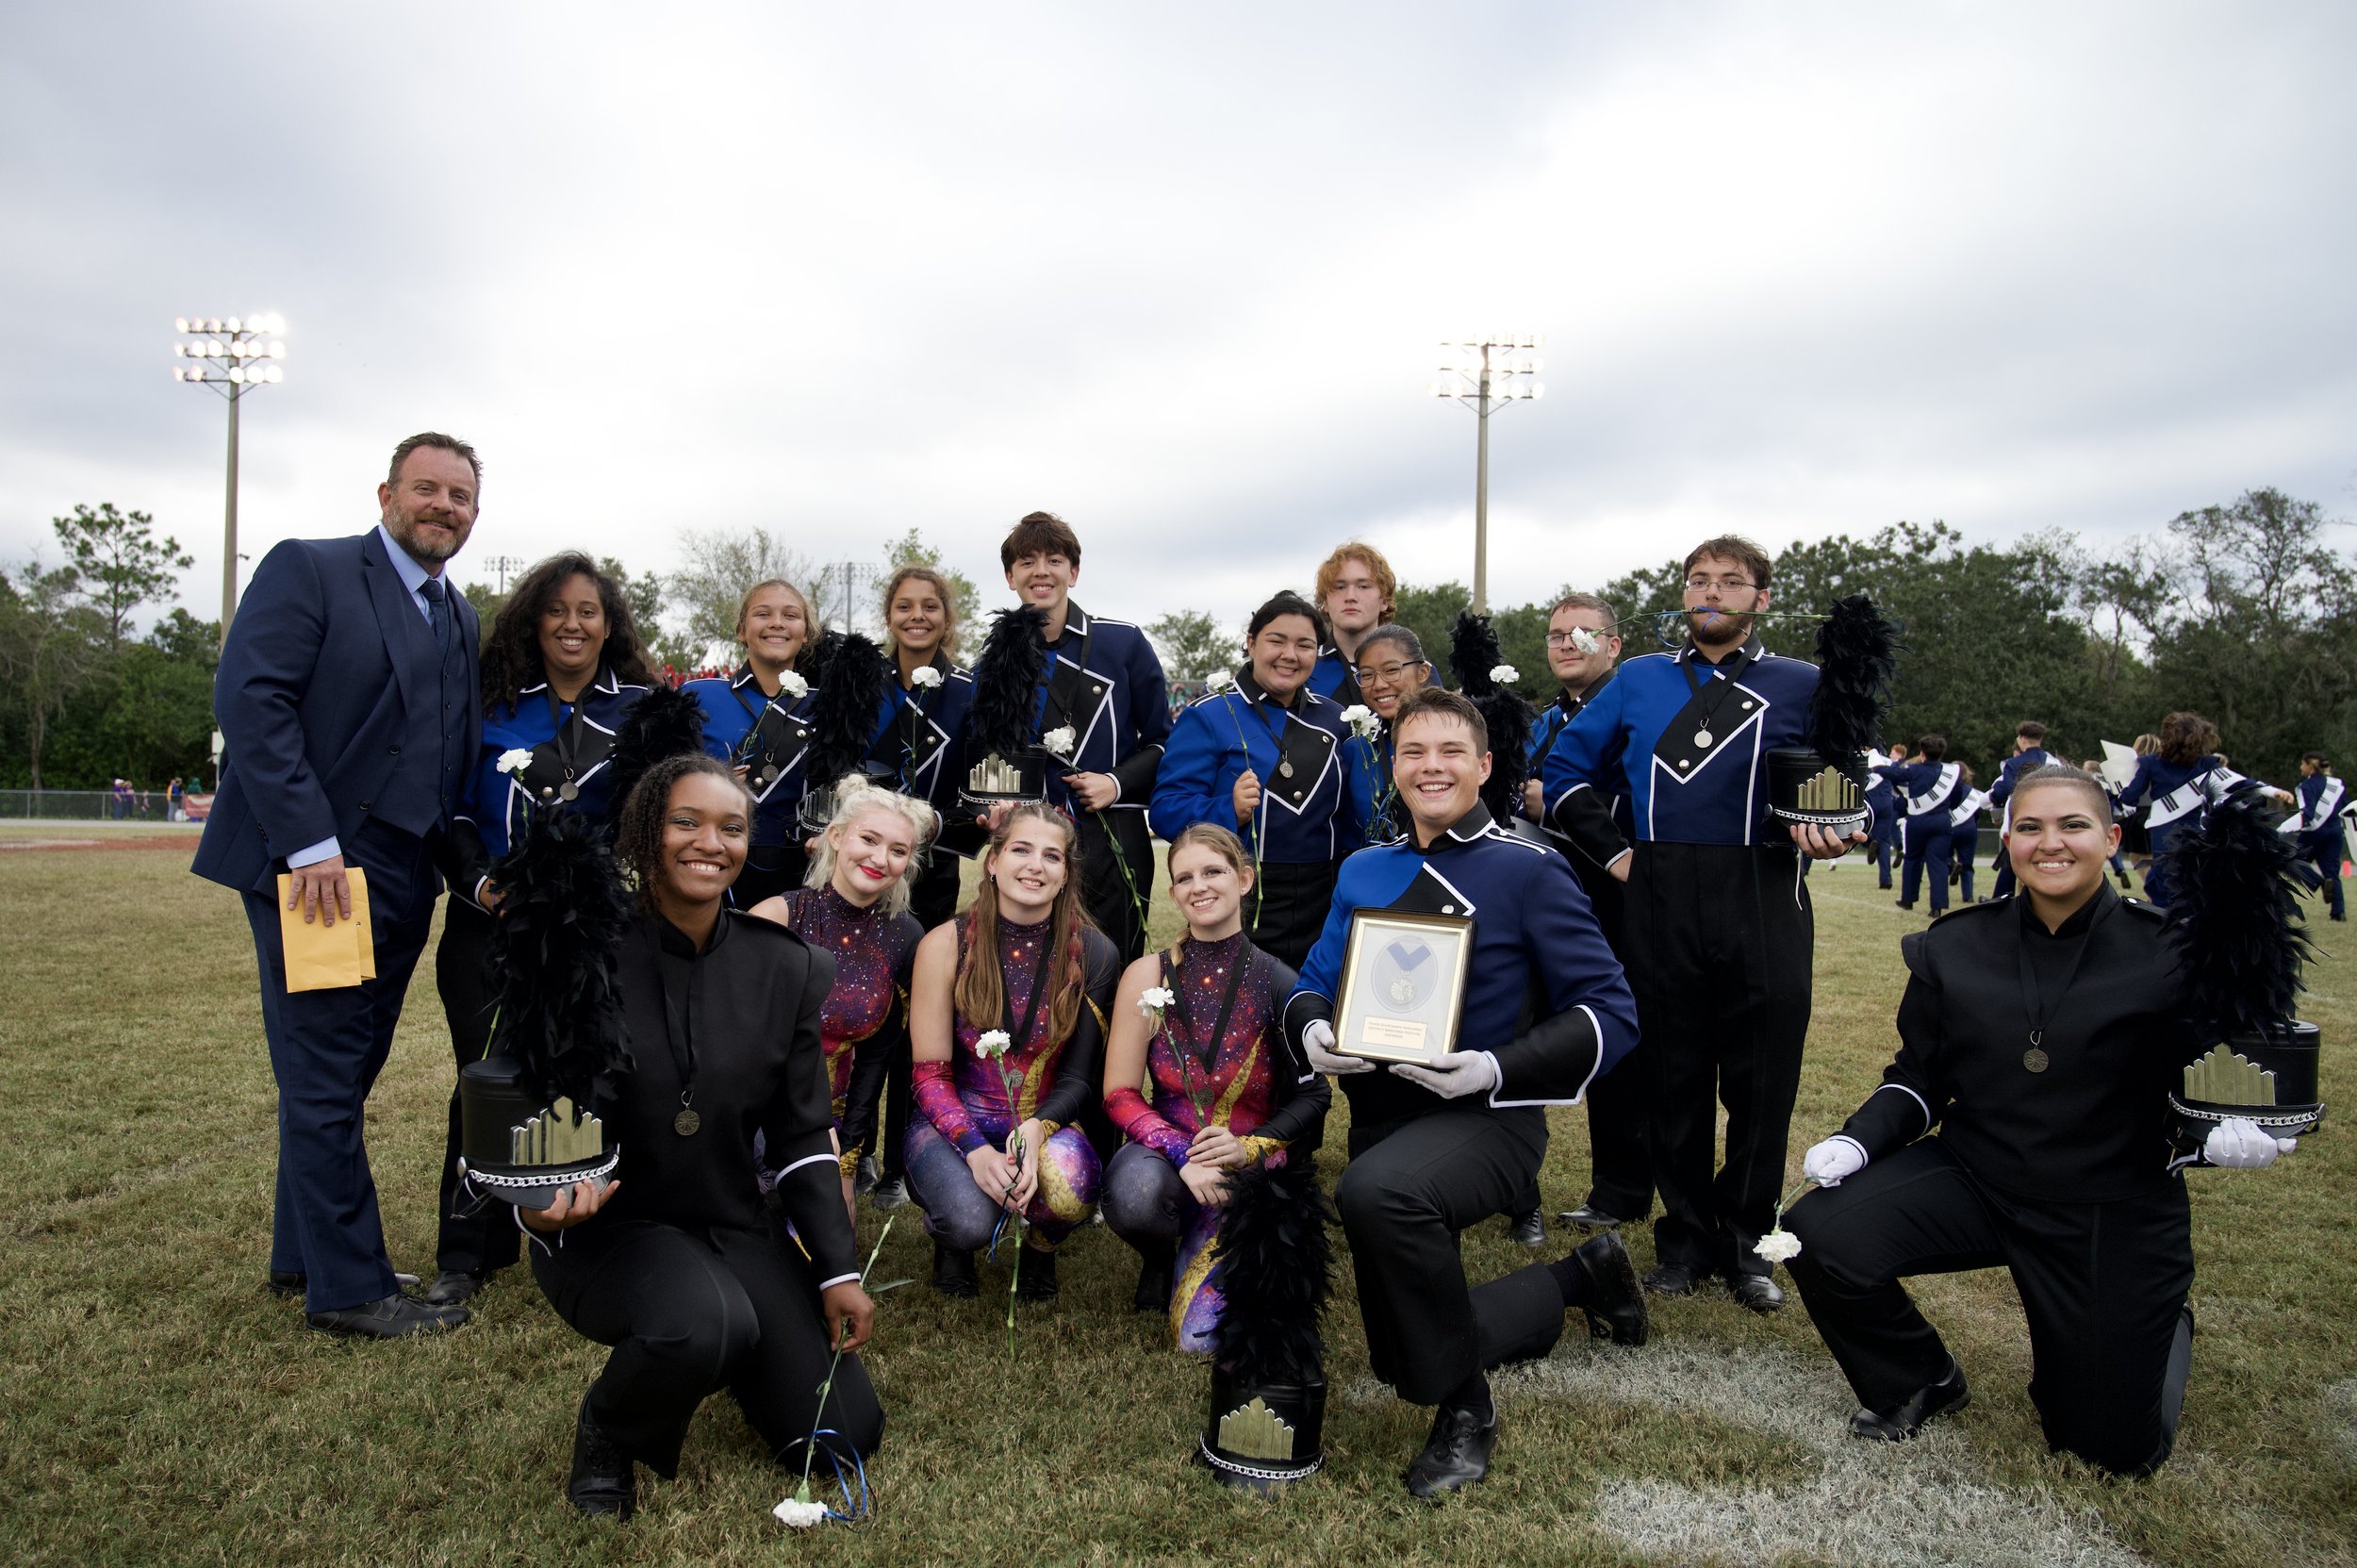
[(1832, 790), (2222, 1077), (1254, 1431), (557, 1136)]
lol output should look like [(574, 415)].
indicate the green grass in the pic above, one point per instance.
[(158, 1406)]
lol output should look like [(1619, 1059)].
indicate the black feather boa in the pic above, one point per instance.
[(562, 915), (850, 683), (663, 722), (2234, 908), (1857, 657), (1006, 684), (1473, 652), (1275, 1270)]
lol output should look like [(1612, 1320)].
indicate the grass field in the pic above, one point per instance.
[(159, 1407)]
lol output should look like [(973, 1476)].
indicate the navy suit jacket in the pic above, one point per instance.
[(328, 671)]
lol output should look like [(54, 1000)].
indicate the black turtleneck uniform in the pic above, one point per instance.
[(683, 1273), (2050, 1159)]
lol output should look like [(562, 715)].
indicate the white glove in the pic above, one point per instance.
[(2241, 1144), (1458, 1073), (1834, 1160), (1318, 1040)]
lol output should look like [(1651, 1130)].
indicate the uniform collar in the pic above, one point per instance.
[(1468, 829), (1572, 701), (605, 680), (1075, 622), (1252, 691), (2080, 918), (1751, 649)]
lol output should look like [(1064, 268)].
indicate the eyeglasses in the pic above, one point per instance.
[(1699, 583), (1565, 639), (1388, 673)]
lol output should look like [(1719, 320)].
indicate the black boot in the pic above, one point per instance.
[(1456, 1455), (1616, 1302), (604, 1480), (1037, 1280), (954, 1272), (1157, 1271)]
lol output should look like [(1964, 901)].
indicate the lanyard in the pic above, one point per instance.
[(566, 737), (2034, 1005), (1208, 1052), (1064, 714), (1721, 687), (1020, 1033), (680, 977)]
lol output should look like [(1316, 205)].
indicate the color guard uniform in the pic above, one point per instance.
[(2321, 796), (1930, 792)]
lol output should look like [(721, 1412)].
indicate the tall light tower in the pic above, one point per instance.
[(1482, 373), (232, 356)]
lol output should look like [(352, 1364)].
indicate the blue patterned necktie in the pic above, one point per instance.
[(439, 606)]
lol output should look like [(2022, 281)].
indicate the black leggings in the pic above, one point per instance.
[(689, 1315)]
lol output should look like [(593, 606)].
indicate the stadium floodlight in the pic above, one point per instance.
[(1483, 373), (246, 342)]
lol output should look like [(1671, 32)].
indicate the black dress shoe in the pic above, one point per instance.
[(395, 1318), (283, 1282), (1671, 1279), (1906, 1418), (954, 1272), (1904, 904), (1036, 1280), (1456, 1455), (1528, 1230), (1157, 1277), (864, 1181), (1589, 1217), (890, 1194), (604, 1480), (1755, 1291), (1615, 1305), (452, 1287)]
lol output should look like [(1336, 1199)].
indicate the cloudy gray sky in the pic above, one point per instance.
[(1180, 274)]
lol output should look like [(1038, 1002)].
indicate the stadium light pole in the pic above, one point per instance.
[(1481, 372), (232, 355)]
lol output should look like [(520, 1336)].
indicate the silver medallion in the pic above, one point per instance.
[(1702, 739), (686, 1123), (569, 790), (768, 775), (2034, 1059), (1284, 770)]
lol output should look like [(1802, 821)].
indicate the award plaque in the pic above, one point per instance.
[(1403, 985)]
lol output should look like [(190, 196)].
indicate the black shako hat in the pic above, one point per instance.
[(1267, 1421), (1823, 782)]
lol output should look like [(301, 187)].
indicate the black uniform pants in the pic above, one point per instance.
[(1288, 912), (475, 1236), (1620, 1170), (1718, 940), (1409, 1189), (689, 1315), (1927, 840), (2103, 1284), (1118, 902), (2321, 848)]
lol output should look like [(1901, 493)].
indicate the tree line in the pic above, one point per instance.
[(2240, 611)]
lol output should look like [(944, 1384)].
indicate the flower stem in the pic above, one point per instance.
[(842, 1334)]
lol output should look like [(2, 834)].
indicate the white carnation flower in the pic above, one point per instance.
[(792, 684), (1059, 741), (800, 1515), (993, 1043), (925, 675), (1778, 1246), (1504, 674), (1586, 640), (1362, 721), (1216, 682), (1153, 1000), (515, 760)]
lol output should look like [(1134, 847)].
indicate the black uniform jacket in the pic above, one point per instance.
[(2088, 1126), (748, 1004)]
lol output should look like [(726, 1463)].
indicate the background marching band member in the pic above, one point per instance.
[(2054, 1162), (1964, 835), (1264, 760), (1718, 931), (856, 911), (1022, 962), (1882, 803), (2175, 783), (758, 720), (1436, 1149), (1391, 665), (1357, 591), (1227, 1090), (1931, 787), (2029, 752), (2320, 838), (1104, 683), (562, 664), (677, 1267)]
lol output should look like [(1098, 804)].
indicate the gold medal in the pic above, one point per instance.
[(2035, 1060), (686, 1123)]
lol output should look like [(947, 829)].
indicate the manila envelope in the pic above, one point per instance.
[(320, 957)]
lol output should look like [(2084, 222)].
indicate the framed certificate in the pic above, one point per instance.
[(1403, 985)]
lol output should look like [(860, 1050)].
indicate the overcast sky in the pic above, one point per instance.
[(1180, 274)]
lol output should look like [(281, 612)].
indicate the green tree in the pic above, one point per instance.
[(1192, 645), (120, 562), (51, 641), (721, 563), (487, 602), (910, 550)]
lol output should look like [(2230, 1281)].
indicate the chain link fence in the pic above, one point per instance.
[(99, 805)]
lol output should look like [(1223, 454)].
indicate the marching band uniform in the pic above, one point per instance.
[(1963, 839), (1104, 682), (2015, 769), (2320, 842), (1374, 808), (1620, 1173), (1882, 805), (1303, 829), (863, 1028), (1718, 929), (1335, 678), (2053, 1162), (1222, 1044), (1931, 790), (918, 737), (769, 737), (1423, 1167), (569, 743), (681, 1271), (2179, 792)]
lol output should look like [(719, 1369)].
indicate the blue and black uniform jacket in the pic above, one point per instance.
[(1305, 816), (1373, 811), (921, 732), (1543, 994), (2321, 796), (494, 806), (1104, 682), (1687, 746), (1932, 790), (1335, 678), (1547, 729), (2011, 774), (770, 738)]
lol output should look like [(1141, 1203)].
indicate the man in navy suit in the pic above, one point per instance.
[(346, 697)]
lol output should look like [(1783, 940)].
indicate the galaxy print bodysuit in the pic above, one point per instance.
[(866, 1021), (963, 1105), (1245, 1081)]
